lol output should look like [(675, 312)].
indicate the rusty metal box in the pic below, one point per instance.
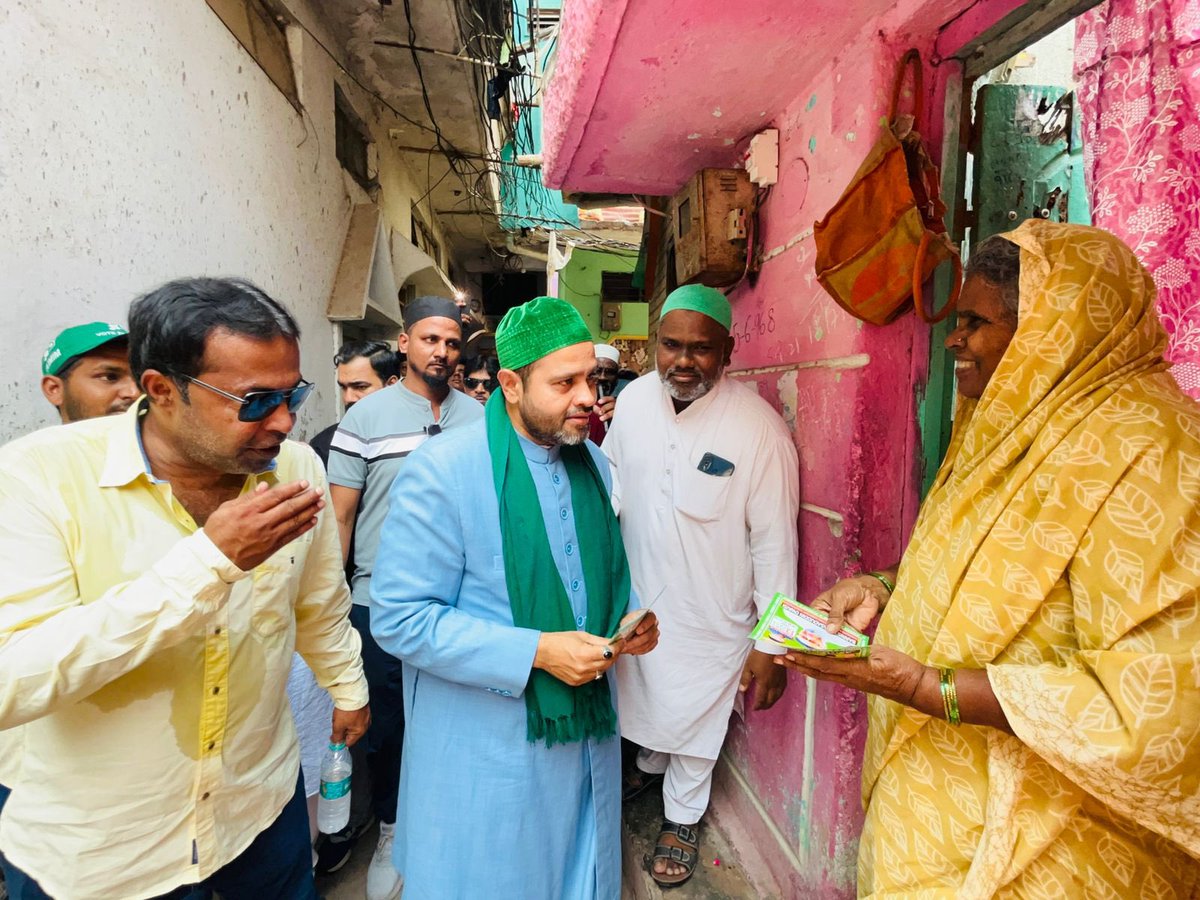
[(700, 216)]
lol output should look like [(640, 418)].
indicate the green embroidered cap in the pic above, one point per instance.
[(702, 299), (536, 329)]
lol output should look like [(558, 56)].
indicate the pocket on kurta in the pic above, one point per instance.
[(701, 496)]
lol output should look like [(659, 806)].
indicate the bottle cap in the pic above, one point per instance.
[(337, 747)]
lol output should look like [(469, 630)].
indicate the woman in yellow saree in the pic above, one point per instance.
[(1047, 601)]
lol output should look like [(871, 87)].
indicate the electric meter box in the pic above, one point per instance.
[(700, 216)]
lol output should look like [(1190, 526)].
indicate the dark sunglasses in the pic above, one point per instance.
[(257, 405), (473, 383)]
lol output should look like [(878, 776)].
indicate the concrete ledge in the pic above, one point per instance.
[(737, 814)]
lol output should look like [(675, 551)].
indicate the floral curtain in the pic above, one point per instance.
[(1137, 74)]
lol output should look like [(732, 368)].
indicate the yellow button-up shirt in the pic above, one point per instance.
[(145, 670)]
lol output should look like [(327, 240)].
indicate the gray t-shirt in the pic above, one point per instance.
[(370, 445)]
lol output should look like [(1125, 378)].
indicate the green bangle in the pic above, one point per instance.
[(949, 695), (883, 579)]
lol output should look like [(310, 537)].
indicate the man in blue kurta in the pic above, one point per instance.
[(500, 581)]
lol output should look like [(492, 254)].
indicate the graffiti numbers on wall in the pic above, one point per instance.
[(757, 324)]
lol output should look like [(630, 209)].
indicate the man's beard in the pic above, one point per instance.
[(437, 382), (199, 447), (695, 392), (77, 412), (546, 430)]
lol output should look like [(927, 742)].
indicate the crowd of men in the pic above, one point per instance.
[(517, 571)]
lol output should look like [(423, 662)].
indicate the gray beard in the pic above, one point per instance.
[(695, 392), (560, 438)]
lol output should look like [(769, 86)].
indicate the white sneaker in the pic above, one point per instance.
[(383, 881)]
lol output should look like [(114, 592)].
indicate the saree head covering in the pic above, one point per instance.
[(536, 329), (702, 299), (556, 713), (1059, 549)]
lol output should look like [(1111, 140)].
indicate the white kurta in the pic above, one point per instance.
[(720, 546)]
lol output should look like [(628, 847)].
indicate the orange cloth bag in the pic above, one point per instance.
[(885, 236)]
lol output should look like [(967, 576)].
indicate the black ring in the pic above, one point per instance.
[(607, 654)]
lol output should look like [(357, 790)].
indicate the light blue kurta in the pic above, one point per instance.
[(482, 811)]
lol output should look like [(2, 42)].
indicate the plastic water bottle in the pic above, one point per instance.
[(333, 805)]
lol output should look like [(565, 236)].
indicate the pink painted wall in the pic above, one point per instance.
[(639, 118), (686, 77), (849, 394)]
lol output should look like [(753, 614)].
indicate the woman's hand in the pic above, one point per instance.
[(886, 672), (856, 600)]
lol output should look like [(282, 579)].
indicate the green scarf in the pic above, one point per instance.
[(556, 712)]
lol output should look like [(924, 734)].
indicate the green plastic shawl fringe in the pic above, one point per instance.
[(556, 712)]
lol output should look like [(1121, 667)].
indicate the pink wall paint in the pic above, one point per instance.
[(848, 390), (686, 77)]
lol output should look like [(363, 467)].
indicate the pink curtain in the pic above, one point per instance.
[(1137, 71)]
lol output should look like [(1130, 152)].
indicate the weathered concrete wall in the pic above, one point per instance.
[(142, 143)]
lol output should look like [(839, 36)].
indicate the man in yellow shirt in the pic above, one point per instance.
[(163, 564), (85, 374)]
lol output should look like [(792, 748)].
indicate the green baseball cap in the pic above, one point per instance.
[(77, 341)]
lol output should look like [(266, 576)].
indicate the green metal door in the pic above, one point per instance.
[(1028, 158), (1026, 161)]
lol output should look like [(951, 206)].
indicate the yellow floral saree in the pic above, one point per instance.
[(1059, 549)]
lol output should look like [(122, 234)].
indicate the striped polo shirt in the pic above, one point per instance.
[(370, 445)]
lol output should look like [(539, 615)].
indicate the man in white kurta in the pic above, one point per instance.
[(707, 484)]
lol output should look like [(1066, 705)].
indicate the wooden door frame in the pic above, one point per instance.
[(1007, 37)]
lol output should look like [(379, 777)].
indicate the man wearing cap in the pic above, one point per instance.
[(370, 447), (608, 363), (707, 486), (85, 372), (500, 579)]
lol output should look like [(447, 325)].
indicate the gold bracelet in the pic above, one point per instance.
[(949, 695), (883, 579)]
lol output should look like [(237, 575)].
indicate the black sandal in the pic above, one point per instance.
[(686, 856), (632, 789)]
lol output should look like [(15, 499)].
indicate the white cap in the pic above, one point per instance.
[(607, 351)]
